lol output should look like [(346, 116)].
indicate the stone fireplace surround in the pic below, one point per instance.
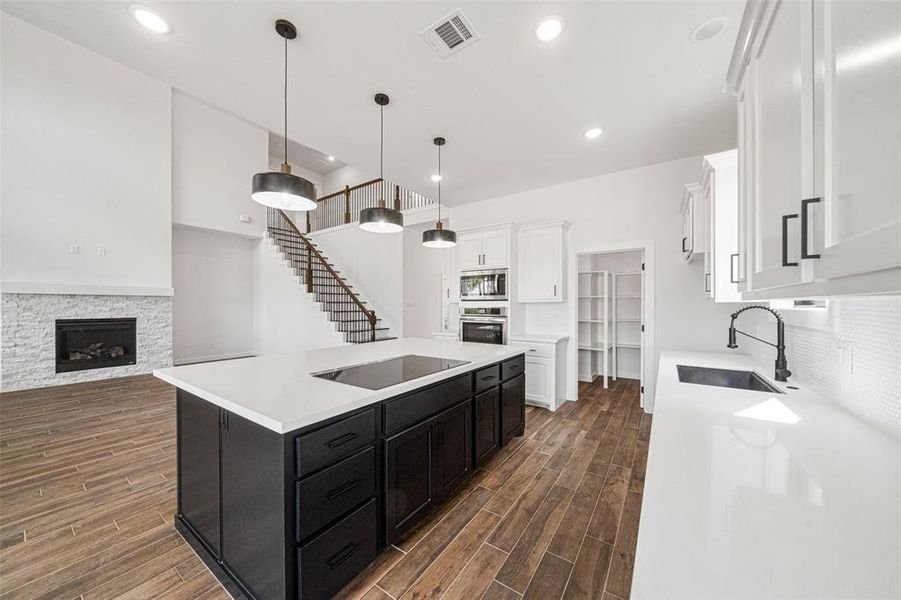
[(28, 335)]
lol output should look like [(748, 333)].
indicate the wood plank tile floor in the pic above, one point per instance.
[(87, 494)]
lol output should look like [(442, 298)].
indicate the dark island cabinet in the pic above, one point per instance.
[(513, 408), (299, 514), (487, 424)]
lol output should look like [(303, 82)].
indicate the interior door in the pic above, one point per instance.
[(469, 251), (409, 486), (494, 249), (198, 467), (452, 458), (858, 221), (783, 134)]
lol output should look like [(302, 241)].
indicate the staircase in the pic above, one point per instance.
[(351, 316)]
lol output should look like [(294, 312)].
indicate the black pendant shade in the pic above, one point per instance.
[(439, 237), (283, 190), (381, 219)]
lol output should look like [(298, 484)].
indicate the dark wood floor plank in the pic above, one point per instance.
[(568, 537), (364, 582), (478, 574), (605, 521), (513, 488), (520, 514), (619, 581), (550, 578), (498, 591), (590, 572)]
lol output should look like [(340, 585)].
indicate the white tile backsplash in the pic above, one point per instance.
[(868, 383)]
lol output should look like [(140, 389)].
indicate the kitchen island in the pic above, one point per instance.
[(290, 482)]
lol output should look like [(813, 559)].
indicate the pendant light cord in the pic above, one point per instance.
[(286, 100), (381, 142), (439, 184)]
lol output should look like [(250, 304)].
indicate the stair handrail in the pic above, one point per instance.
[(349, 189), (312, 249)]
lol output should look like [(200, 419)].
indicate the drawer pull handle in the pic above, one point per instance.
[(785, 220), (340, 441), (342, 489), (487, 377), (342, 555), (805, 214)]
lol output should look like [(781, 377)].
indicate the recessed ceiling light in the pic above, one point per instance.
[(550, 28), (708, 29), (436, 178), (150, 19), (593, 132), (331, 159)]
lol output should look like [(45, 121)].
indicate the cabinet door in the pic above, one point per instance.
[(198, 467), (708, 233), (452, 458), (539, 378), (469, 251), (513, 408), (487, 424), (783, 136), (494, 249), (858, 221), (253, 505), (409, 489), (745, 180), (541, 265)]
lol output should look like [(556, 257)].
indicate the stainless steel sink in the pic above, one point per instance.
[(742, 380)]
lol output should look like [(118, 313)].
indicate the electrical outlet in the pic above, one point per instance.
[(73, 249), (845, 356)]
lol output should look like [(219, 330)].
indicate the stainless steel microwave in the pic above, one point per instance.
[(490, 284)]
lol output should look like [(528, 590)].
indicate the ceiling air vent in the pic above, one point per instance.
[(450, 34)]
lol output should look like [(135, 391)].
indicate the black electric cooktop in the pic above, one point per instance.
[(391, 371)]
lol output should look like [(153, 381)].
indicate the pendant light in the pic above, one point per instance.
[(282, 189), (439, 237), (381, 219)]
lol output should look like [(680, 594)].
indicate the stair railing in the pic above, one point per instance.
[(344, 206), (313, 263)]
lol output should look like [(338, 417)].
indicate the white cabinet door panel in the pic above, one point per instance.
[(858, 221), (539, 380), (494, 249), (540, 268), (469, 253)]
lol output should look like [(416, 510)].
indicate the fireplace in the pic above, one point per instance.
[(94, 343)]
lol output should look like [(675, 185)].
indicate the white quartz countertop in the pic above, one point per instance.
[(741, 507), (548, 338), (278, 392)]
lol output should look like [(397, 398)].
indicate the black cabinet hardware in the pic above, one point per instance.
[(805, 215), (345, 553), (785, 220), (341, 490), (732, 269), (706, 282), (340, 441), (684, 243), (555, 290)]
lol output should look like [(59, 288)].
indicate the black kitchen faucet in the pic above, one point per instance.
[(782, 372)]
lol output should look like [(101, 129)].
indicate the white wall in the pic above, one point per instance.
[(373, 265), (635, 205), (867, 384), (350, 175), (214, 158), (213, 304), (285, 317), (422, 287), (86, 161)]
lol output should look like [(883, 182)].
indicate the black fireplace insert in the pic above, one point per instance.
[(95, 343)]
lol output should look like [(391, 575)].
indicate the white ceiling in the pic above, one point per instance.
[(513, 109), (302, 156)]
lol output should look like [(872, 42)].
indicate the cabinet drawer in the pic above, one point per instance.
[(332, 559), (409, 410), (333, 442), (323, 497), (512, 367), (487, 378), (535, 349)]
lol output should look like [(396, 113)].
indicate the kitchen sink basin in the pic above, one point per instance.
[(742, 380)]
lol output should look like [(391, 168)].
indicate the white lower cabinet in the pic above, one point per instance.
[(545, 368)]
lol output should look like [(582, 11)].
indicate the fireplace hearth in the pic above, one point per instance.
[(95, 343)]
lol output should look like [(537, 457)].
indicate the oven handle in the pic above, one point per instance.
[(480, 320)]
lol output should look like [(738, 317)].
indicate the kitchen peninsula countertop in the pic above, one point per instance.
[(806, 504), (278, 391)]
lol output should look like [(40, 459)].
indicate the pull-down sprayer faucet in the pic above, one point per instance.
[(782, 372)]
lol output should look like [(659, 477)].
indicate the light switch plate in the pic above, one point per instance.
[(73, 249)]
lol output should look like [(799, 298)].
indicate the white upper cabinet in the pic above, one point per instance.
[(819, 127), (484, 249), (720, 184), (540, 263), (692, 222), (856, 226)]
